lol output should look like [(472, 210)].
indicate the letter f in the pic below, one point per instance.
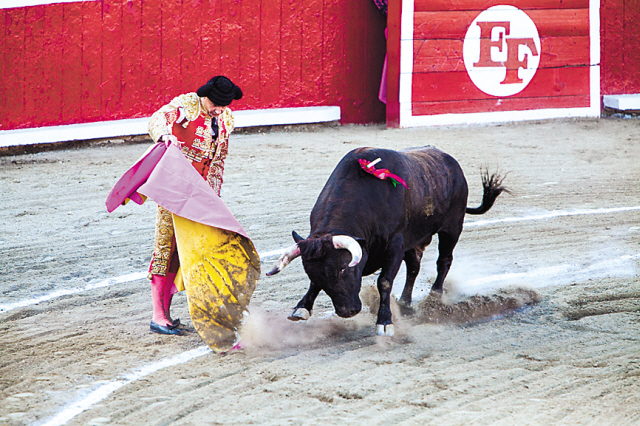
[(486, 28), (513, 62)]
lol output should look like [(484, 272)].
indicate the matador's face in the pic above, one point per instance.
[(212, 109)]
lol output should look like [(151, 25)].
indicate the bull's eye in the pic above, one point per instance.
[(343, 270)]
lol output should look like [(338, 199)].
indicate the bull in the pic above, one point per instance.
[(361, 224)]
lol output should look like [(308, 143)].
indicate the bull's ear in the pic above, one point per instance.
[(297, 238)]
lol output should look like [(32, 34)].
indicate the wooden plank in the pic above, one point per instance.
[(249, 76), (561, 22), (437, 56), (91, 61), (454, 25), (311, 86), (456, 86), (564, 51), (291, 53), (459, 5), (442, 25), (193, 76), (34, 58), (499, 105), (112, 52), (355, 69), (133, 92), (52, 49), (210, 36), (612, 47), (230, 33), (270, 54), (151, 54), (4, 69), (15, 62), (631, 66), (333, 58), (446, 55), (393, 64), (171, 49), (72, 64)]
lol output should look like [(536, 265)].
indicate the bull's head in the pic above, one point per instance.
[(331, 262)]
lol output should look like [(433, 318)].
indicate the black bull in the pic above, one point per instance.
[(380, 225)]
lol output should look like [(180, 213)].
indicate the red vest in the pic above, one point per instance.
[(196, 148)]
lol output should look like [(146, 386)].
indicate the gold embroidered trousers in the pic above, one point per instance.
[(164, 258)]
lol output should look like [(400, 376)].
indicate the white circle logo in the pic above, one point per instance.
[(501, 51)]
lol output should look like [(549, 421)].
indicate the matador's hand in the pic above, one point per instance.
[(170, 139)]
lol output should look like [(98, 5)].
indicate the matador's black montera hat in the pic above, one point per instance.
[(220, 90)]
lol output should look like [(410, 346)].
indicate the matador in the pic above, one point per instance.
[(200, 124)]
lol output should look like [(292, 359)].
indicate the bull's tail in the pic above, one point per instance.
[(492, 188)]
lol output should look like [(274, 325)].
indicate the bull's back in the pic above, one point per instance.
[(438, 197), (438, 174)]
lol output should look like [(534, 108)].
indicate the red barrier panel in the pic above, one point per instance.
[(489, 59), (620, 47), (103, 60), (448, 5)]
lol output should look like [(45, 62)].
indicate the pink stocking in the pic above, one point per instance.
[(169, 290), (158, 283)]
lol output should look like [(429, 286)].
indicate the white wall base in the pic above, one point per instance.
[(9, 4), (283, 116), (139, 126), (622, 102)]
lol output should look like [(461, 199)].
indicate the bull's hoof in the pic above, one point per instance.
[(435, 293), (299, 314), (405, 308), (384, 330)]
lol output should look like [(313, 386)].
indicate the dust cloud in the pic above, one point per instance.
[(478, 308), (272, 331), (446, 310)]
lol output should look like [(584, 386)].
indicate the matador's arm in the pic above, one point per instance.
[(180, 109)]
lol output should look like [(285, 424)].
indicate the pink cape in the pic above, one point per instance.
[(174, 184), (134, 177)]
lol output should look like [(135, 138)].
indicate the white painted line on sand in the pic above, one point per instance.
[(105, 283), (550, 215), (554, 275), (270, 253), (104, 390), (138, 275), (569, 272)]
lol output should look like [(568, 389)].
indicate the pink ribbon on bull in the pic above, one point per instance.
[(369, 167)]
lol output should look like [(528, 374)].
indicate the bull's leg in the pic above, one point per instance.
[(412, 259), (446, 244), (304, 308), (392, 262)]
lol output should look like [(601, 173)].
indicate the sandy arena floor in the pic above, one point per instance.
[(541, 325)]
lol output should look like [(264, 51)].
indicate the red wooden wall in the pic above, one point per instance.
[(620, 46), (116, 59), (441, 83)]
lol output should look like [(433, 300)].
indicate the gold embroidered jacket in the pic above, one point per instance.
[(186, 118)]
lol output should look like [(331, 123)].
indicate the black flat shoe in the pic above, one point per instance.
[(175, 324), (163, 329)]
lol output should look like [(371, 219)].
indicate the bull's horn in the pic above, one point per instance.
[(347, 242), (291, 253)]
